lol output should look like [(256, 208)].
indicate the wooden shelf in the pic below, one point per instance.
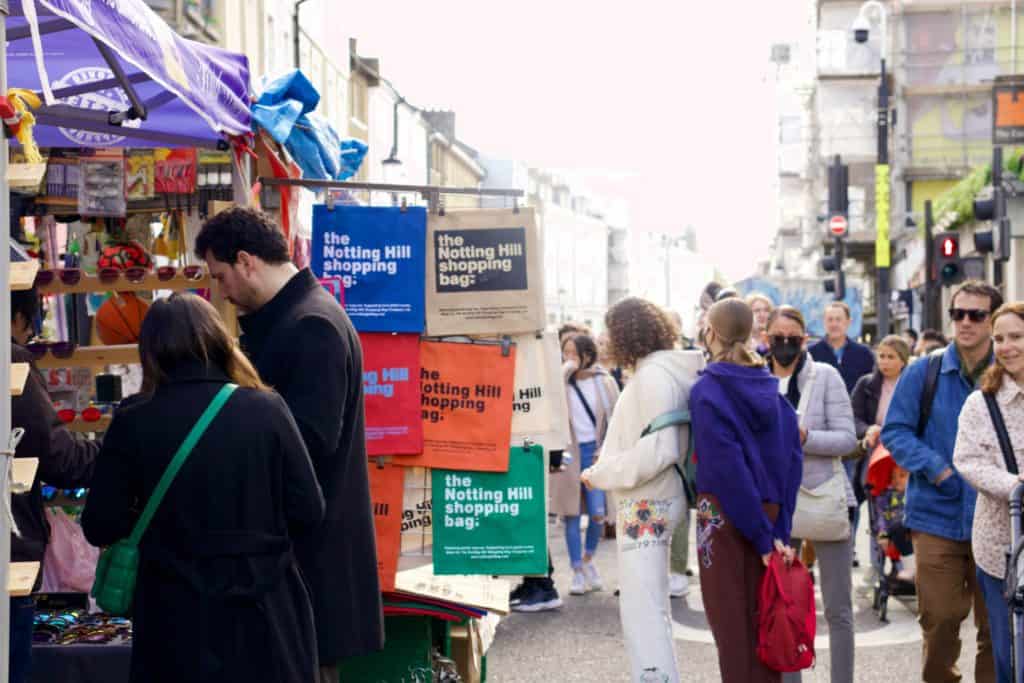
[(93, 357), (23, 274), (23, 474), (80, 425), (90, 284), (19, 375), (21, 577)]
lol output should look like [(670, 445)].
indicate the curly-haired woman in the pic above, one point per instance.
[(638, 471)]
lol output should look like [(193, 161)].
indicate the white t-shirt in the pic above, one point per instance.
[(582, 426), (784, 384)]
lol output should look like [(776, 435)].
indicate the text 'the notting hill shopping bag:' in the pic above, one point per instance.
[(377, 251), (484, 273), (391, 387), (386, 491), (466, 406), (492, 522)]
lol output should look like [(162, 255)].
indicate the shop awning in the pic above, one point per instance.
[(120, 77)]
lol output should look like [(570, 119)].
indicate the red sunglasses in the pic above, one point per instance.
[(134, 275), (165, 273), (90, 414), (69, 276)]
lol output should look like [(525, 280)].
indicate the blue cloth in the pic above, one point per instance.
[(22, 615), (946, 510), (853, 361), (747, 447), (595, 508), (998, 623)]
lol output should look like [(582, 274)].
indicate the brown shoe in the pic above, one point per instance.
[(609, 531)]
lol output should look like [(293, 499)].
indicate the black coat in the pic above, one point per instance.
[(866, 395), (858, 360), (66, 460), (304, 345), (219, 595)]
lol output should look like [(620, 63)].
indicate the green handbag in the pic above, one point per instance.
[(118, 565), (687, 469)]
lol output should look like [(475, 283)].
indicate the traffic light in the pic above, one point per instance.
[(835, 285), (947, 258)]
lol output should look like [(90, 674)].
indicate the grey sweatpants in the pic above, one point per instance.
[(834, 561)]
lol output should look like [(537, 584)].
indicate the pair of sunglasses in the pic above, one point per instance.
[(63, 349), (90, 414), (134, 275), (50, 492), (69, 276), (976, 315), (165, 273), (779, 340)]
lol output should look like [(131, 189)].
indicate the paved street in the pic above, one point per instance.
[(583, 640)]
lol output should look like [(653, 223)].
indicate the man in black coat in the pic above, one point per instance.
[(304, 346), (853, 360), (66, 460)]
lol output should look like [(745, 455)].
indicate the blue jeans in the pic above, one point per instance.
[(998, 623), (22, 614), (595, 508)]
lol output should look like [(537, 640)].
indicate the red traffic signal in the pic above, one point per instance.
[(949, 247), (948, 267)]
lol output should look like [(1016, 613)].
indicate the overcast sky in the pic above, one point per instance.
[(668, 107)]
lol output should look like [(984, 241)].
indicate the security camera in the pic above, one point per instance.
[(861, 29)]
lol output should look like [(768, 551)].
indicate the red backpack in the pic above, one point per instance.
[(786, 617)]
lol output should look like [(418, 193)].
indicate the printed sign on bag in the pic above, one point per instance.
[(492, 522), (391, 388), (378, 252), (484, 273)]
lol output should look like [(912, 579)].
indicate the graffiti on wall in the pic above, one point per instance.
[(810, 298)]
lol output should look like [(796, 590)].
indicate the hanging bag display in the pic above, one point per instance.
[(821, 513), (118, 565)]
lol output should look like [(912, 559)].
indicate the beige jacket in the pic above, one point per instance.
[(980, 462), (566, 492)]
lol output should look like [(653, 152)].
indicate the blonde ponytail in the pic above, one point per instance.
[(731, 320)]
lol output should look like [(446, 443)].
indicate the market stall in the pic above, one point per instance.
[(126, 135)]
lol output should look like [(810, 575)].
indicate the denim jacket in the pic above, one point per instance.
[(945, 510)]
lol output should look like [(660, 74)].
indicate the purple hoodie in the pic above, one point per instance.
[(747, 443)]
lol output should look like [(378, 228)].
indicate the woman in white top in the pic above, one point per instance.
[(979, 460), (592, 395)]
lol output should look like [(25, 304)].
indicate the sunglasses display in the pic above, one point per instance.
[(76, 627), (976, 315), (68, 276), (90, 414), (64, 349), (165, 273)]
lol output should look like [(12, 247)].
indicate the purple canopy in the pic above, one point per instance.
[(121, 77)]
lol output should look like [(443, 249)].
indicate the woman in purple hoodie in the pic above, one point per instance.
[(749, 466)]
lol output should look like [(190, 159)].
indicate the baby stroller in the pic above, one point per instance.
[(885, 484), (1014, 591)]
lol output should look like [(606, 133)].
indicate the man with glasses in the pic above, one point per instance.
[(940, 506)]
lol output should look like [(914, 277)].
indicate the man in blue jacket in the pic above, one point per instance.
[(940, 506), (851, 359)]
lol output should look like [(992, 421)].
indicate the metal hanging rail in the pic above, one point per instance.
[(430, 193)]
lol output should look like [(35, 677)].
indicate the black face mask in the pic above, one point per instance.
[(785, 353)]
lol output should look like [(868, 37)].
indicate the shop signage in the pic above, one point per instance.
[(391, 390), (466, 393), (1008, 110), (492, 522), (484, 273), (378, 254)]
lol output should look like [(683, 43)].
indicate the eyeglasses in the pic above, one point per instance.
[(69, 276), (64, 349), (165, 273), (134, 275), (975, 314), (90, 414), (779, 340)]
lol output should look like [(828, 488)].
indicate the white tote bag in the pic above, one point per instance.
[(821, 513)]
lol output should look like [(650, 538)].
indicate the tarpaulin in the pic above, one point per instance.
[(195, 94)]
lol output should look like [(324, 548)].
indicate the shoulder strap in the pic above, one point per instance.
[(179, 459), (1004, 437), (931, 384), (805, 394), (586, 406), (673, 418)]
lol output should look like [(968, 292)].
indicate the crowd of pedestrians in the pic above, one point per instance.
[(790, 439)]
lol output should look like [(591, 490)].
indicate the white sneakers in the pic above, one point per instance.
[(678, 585), (585, 580)]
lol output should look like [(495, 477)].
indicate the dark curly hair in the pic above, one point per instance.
[(636, 328), (242, 229)]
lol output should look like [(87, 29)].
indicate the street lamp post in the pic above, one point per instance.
[(882, 190)]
